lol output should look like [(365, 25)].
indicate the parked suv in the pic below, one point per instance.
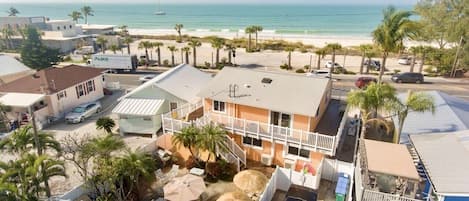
[(374, 64), (363, 82), (81, 112), (408, 77)]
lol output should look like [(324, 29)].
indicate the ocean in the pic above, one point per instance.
[(321, 20)]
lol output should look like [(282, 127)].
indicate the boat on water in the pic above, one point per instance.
[(159, 11)]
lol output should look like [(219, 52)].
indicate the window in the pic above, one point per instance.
[(218, 106), (298, 152), (252, 141), (70, 26), (61, 95), (146, 118), (90, 86), (58, 28), (80, 91), (65, 27), (173, 105)]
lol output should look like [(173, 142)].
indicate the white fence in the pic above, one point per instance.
[(369, 195), (332, 167), (113, 85), (74, 194), (283, 178), (183, 111)]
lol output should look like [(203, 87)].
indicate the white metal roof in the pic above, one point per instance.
[(138, 107), (20, 99), (446, 159), (451, 114), (289, 93), (183, 81), (9, 65)]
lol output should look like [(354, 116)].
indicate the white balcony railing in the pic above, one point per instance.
[(305, 139), (369, 195), (184, 110)]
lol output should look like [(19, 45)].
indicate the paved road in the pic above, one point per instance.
[(343, 84)]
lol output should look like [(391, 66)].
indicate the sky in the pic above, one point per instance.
[(349, 2)]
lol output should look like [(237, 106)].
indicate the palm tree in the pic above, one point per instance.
[(211, 139), (114, 48), (194, 44), (23, 141), (217, 43), (178, 28), (230, 48), (424, 52), (127, 41), (172, 49), (48, 168), (249, 30), (371, 100), (104, 146), (87, 11), (187, 138), (187, 51), (415, 102), (364, 48), (102, 43), (414, 50), (7, 33), (75, 15), (321, 53), (333, 47), (257, 29), (130, 168), (390, 34), (123, 30), (145, 45), (105, 123), (13, 12), (289, 49), (158, 51)]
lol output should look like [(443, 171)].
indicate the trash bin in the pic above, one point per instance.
[(342, 186)]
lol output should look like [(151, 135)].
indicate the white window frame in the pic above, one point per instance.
[(252, 145), (292, 119), (61, 95), (293, 156), (81, 89), (171, 102), (218, 111)]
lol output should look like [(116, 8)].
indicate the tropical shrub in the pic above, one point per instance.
[(300, 71), (165, 62)]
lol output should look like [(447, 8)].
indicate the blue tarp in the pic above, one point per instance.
[(342, 184)]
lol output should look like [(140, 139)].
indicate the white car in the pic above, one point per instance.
[(404, 60), (145, 78), (81, 112), (324, 73), (329, 65)]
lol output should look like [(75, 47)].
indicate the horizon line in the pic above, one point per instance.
[(225, 3)]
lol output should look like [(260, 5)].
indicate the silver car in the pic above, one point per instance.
[(81, 112)]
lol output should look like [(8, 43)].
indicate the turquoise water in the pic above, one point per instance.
[(356, 20)]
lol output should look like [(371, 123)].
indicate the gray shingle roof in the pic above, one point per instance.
[(289, 93), (445, 157), (451, 114)]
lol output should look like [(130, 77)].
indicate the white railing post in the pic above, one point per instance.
[(301, 138), (232, 125), (333, 145), (172, 125), (286, 136), (316, 142), (244, 127), (162, 125), (258, 129)]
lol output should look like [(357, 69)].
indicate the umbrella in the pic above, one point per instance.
[(185, 188), (250, 181), (308, 168), (234, 196)]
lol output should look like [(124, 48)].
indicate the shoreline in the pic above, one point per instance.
[(317, 40)]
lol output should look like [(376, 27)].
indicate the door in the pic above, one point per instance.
[(281, 120), (89, 110)]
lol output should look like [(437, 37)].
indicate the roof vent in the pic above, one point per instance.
[(266, 80)]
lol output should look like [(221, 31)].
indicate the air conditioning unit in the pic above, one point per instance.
[(266, 159), (289, 163)]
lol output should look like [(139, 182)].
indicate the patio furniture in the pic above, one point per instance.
[(197, 171), (185, 188)]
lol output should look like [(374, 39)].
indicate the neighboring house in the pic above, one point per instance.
[(445, 159), (140, 110), (59, 34), (451, 114), (64, 88), (386, 171), (12, 69), (97, 29), (271, 117)]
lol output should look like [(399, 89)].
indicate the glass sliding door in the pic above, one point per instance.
[(281, 122)]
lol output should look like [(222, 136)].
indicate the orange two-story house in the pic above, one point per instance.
[(271, 115)]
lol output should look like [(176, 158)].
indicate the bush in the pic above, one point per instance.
[(349, 72), (191, 162), (67, 58), (221, 169), (284, 66), (307, 67), (165, 62), (207, 64), (303, 50), (397, 71), (220, 66), (429, 70), (300, 71)]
